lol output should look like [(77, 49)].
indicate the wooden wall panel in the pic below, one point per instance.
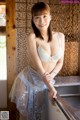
[(11, 52), (11, 41)]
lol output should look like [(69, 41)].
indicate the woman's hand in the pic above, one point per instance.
[(52, 93), (48, 76)]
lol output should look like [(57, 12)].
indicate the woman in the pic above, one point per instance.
[(30, 89)]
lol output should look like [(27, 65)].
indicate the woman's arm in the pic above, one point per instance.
[(61, 60), (59, 64), (34, 55), (37, 62)]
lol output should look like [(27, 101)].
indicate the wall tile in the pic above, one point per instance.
[(20, 7), (21, 23), (21, 15)]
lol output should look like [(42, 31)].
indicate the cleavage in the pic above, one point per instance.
[(48, 51)]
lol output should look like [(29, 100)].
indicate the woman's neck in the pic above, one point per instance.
[(45, 36)]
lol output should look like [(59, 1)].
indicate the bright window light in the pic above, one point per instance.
[(2, 15), (3, 65)]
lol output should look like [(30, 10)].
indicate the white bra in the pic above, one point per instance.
[(45, 56)]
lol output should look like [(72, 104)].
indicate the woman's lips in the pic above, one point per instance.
[(42, 25)]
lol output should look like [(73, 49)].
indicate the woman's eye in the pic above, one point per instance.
[(45, 16), (36, 17)]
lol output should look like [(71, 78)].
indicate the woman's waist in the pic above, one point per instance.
[(33, 67)]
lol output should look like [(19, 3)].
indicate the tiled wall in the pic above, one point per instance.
[(21, 25), (71, 59), (65, 18)]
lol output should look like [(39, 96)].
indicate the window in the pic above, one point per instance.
[(3, 63), (2, 15), (3, 68)]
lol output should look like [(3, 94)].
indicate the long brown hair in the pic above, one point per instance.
[(38, 9)]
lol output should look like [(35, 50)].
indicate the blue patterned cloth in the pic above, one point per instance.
[(30, 94)]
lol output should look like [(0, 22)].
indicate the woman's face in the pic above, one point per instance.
[(42, 21)]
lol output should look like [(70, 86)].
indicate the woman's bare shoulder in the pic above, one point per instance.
[(31, 36), (59, 34)]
